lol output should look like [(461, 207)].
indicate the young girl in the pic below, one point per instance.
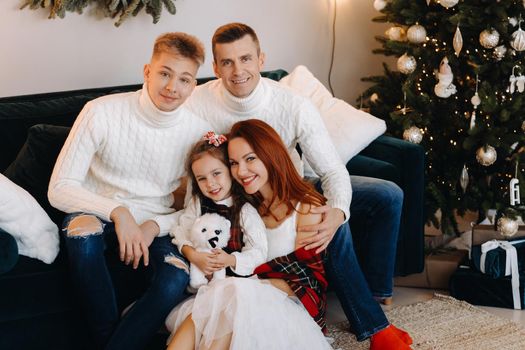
[(213, 191)]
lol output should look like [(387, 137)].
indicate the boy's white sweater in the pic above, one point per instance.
[(123, 151)]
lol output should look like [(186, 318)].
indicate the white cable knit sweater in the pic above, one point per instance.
[(122, 150), (294, 118)]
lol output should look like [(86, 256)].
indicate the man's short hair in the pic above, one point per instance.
[(231, 32), (178, 43)]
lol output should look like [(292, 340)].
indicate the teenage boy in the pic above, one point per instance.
[(241, 93), (115, 176)]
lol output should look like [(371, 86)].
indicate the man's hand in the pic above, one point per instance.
[(332, 219), (206, 262), (132, 243)]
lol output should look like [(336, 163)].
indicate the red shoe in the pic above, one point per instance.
[(403, 335), (387, 339)]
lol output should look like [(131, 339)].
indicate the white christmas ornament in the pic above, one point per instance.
[(448, 3), (463, 179), (406, 64), (444, 88), (413, 134), (486, 155), (379, 4), (489, 38), (417, 34), (374, 97), (507, 227), (523, 126), (499, 52), (518, 39), (457, 42), (396, 33)]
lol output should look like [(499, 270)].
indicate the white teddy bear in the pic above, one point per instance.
[(208, 232)]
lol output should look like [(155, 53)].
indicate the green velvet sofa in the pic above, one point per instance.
[(37, 307)]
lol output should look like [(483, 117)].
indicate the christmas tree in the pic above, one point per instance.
[(458, 90)]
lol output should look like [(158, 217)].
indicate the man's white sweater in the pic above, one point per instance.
[(294, 118), (123, 151)]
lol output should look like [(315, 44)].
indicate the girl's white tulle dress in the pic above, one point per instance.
[(258, 315)]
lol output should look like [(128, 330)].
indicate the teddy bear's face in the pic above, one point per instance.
[(210, 231)]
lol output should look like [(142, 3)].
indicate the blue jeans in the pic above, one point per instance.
[(378, 203), (96, 292)]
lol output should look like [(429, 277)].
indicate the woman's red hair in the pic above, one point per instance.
[(287, 185)]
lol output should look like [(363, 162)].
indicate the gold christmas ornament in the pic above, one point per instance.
[(457, 42), (507, 227), (396, 33), (448, 3), (463, 179), (486, 155), (417, 34), (489, 38), (413, 134), (406, 64), (523, 126)]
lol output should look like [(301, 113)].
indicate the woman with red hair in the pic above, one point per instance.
[(254, 313)]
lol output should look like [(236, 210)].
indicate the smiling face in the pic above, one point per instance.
[(247, 169), (170, 80), (238, 64), (213, 177)]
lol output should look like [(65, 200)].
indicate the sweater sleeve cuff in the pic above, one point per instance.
[(342, 206), (165, 222), (243, 264)]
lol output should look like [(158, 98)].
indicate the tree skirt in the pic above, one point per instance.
[(443, 323)]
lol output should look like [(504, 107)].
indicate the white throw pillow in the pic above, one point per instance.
[(350, 129), (22, 217)]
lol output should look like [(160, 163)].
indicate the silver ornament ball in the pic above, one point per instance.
[(417, 34), (406, 64), (486, 155), (413, 134), (518, 40), (448, 3), (489, 38), (507, 227), (379, 4)]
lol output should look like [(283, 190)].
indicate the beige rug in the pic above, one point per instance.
[(444, 323)]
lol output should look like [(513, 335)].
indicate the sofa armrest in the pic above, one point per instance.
[(406, 168)]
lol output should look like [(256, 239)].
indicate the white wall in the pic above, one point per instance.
[(85, 51)]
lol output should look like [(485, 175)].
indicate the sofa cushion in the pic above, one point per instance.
[(8, 252), (350, 129), (34, 164)]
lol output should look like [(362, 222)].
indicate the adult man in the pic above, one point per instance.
[(240, 94), (115, 176)]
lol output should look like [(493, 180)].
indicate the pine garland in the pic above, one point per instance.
[(111, 8)]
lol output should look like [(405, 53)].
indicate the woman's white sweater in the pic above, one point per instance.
[(123, 151)]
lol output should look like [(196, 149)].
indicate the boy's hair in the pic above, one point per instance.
[(199, 150), (182, 44), (231, 32)]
